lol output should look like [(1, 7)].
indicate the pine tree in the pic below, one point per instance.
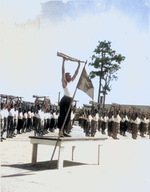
[(107, 63)]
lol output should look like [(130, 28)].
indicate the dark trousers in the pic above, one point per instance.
[(45, 125), (5, 123), (121, 127), (48, 123), (103, 125), (29, 124), (94, 127), (129, 127), (84, 125), (34, 122), (24, 124), (115, 129), (2, 127), (10, 126), (64, 106), (143, 129), (37, 127), (69, 127), (56, 123), (149, 129), (99, 124), (134, 130), (15, 125), (19, 126), (52, 123), (88, 128), (110, 128), (80, 121), (41, 126)]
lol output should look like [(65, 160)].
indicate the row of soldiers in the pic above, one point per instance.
[(116, 120), (20, 117), (17, 117)]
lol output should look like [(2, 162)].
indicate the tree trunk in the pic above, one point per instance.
[(104, 101), (100, 82), (99, 89)]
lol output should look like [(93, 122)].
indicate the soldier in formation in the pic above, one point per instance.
[(18, 117), (116, 120)]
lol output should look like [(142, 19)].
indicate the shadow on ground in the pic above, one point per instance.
[(39, 166)]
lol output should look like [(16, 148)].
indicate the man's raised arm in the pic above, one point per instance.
[(63, 80), (76, 72)]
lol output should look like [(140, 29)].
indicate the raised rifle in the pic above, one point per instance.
[(59, 54), (36, 96), (44, 103)]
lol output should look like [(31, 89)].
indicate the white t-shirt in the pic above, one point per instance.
[(96, 117), (105, 119), (66, 92), (45, 115), (1, 114), (29, 114), (11, 112), (20, 115), (25, 115), (16, 114), (54, 115), (111, 119), (41, 114), (145, 120), (126, 118), (101, 118), (5, 113), (122, 119), (137, 121), (89, 118), (117, 119), (32, 114), (50, 115)]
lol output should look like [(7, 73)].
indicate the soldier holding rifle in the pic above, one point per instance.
[(3, 118), (38, 119)]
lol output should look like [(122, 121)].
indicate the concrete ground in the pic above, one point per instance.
[(124, 166)]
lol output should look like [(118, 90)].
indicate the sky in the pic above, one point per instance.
[(33, 31)]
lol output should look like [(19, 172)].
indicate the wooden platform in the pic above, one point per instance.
[(62, 144)]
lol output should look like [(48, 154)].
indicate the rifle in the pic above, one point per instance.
[(44, 103), (9, 99), (3, 96), (36, 96), (68, 57)]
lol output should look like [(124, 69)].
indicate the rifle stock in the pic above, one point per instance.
[(68, 57)]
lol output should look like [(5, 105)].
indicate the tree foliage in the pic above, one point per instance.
[(106, 63)]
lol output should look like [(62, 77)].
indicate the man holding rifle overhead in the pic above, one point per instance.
[(66, 99)]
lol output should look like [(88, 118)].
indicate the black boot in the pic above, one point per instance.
[(66, 134), (8, 134)]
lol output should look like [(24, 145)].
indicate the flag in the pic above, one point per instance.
[(85, 84)]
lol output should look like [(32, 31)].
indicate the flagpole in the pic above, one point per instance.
[(66, 115)]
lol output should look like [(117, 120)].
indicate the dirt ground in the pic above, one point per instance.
[(124, 166)]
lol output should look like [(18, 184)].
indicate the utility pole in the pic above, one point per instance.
[(58, 97)]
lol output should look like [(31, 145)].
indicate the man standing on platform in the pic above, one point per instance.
[(66, 99)]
